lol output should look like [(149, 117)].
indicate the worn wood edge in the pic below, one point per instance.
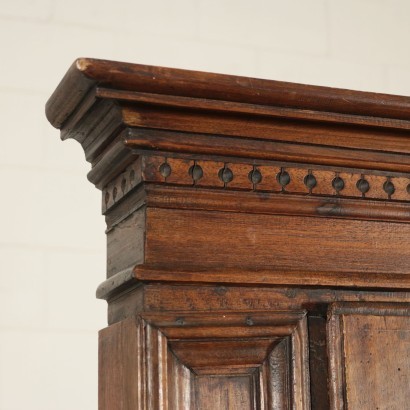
[(133, 277), (261, 149), (229, 107), (106, 129), (112, 162), (336, 361), (300, 359), (370, 308), (170, 296), (124, 208), (335, 335), (69, 93), (96, 130), (267, 277), (255, 202), (117, 284), (87, 72), (225, 318), (72, 124)]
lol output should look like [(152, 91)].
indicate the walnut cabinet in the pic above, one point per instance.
[(258, 238)]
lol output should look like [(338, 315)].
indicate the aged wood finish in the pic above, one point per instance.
[(257, 238), (369, 347)]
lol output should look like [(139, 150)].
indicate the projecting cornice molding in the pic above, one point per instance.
[(112, 108), (87, 74), (120, 112), (180, 155)]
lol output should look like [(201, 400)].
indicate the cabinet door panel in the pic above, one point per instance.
[(226, 392), (249, 360), (369, 349)]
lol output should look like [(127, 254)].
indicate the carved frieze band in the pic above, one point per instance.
[(261, 178)]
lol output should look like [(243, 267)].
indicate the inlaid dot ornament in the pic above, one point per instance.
[(389, 188), (255, 176), (283, 178), (338, 184), (225, 175), (165, 170), (196, 172), (363, 185), (310, 181)]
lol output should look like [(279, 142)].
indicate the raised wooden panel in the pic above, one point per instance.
[(225, 392), (138, 372), (237, 241), (369, 349), (251, 360)]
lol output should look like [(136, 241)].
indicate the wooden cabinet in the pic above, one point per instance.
[(369, 346), (258, 238)]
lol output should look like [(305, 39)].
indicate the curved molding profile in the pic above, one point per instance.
[(190, 154), (86, 73), (119, 110)]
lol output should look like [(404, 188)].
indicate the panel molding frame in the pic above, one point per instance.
[(335, 337), (164, 348)]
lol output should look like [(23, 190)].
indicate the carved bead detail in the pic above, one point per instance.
[(363, 185), (315, 181), (225, 175), (389, 188), (255, 176), (196, 172), (165, 170), (338, 184), (292, 179), (310, 181), (123, 185), (283, 178)]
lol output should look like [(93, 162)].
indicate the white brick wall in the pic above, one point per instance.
[(52, 245), (295, 26)]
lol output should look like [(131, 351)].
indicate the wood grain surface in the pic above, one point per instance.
[(87, 72), (370, 356), (278, 243), (257, 238)]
